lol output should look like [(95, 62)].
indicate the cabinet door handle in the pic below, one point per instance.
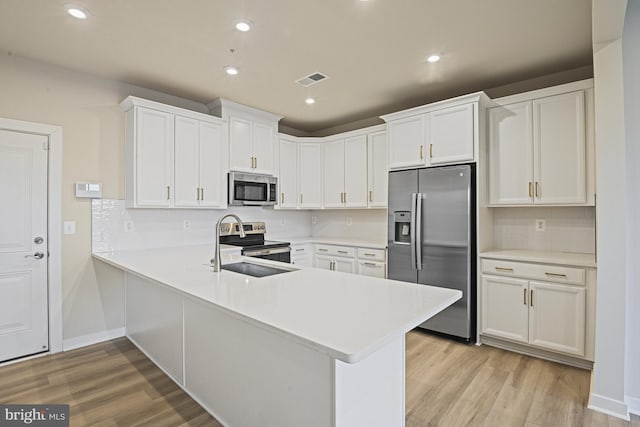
[(341, 197), (168, 193), (530, 195), (201, 193), (370, 196), (421, 155), (281, 198), (197, 193), (331, 266), (300, 198), (555, 274), (345, 198), (537, 192), (504, 269), (531, 298), (256, 163), (431, 150)]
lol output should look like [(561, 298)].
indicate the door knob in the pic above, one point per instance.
[(37, 255), (38, 240)]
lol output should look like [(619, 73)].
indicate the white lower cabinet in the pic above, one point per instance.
[(301, 254), (550, 314), (349, 259)]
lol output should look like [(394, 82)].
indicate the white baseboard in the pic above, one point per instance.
[(609, 406), (85, 340), (633, 403)]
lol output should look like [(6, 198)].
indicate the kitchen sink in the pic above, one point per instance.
[(254, 270)]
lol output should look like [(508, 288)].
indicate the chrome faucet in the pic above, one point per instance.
[(215, 261)]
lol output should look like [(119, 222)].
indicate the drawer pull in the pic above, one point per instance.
[(370, 264), (323, 250), (300, 249), (504, 269), (369, 254), (343, 252), (555, 274)]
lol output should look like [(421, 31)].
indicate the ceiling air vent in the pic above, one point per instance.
[(312, 79)]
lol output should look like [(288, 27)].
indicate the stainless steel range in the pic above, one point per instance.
[(254, 244)]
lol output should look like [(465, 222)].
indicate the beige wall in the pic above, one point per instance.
[(88, 110)]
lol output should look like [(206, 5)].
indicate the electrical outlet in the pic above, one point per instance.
[(349, 220), (541, 225), (314, 220), (128, 226), (186, 224)]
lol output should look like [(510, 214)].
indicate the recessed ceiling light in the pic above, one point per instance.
[(310, 101), (231, 70), (77, 11), (433, 58), (243, 25)]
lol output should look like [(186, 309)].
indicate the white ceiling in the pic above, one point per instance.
[(373, 51)]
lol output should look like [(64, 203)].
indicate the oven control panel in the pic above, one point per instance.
[(233, 228)]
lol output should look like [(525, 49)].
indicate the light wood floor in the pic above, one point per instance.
[(448, 384)]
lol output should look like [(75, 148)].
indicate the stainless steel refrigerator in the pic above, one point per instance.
[(432, 239)]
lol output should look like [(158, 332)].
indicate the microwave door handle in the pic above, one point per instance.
[(412, 231), (418, 231)]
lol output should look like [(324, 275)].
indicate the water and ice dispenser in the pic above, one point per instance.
[(402, 229)]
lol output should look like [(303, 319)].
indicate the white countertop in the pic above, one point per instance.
[(345, 316), (564, 258), (361, 243)]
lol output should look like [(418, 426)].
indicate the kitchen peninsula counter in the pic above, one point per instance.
[(306, 347)]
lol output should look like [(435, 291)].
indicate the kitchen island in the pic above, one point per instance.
[(308, 347)]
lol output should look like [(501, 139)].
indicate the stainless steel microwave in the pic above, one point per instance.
[(252, 189)]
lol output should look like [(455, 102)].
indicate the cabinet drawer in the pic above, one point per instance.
[(371, 254), (300, 250), (344, 251), (554, 273), (372, 269)]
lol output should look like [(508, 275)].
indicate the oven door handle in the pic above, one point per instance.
[(260, 252)]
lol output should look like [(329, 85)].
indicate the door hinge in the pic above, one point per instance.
[(45, 145)]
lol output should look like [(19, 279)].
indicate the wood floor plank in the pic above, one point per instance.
[(448, 384)]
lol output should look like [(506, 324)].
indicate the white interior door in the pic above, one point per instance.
[(23, 245)]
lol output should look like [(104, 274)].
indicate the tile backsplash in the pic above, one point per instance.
[(567, 229), (114, 227)]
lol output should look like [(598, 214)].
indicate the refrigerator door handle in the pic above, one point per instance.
[(412, 244), (418, 232)]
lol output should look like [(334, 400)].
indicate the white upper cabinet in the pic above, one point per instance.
[(511, 154), (310, 175), (174, 157), (198, 164), (377, 169), (345, 173), (540, 150), (333, 171), (252, 136), (355, 172), (445, 132), (559, 149), (150, 158), (288, 177), (352, 170), (406, 142), (451, 135)]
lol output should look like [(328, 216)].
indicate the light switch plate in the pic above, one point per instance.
[(69, 227), (91, 190), (128, 226)]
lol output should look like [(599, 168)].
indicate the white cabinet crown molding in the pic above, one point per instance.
[(479, 97), (349, 134), (542, 93), (224, 108), (133, 101)]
